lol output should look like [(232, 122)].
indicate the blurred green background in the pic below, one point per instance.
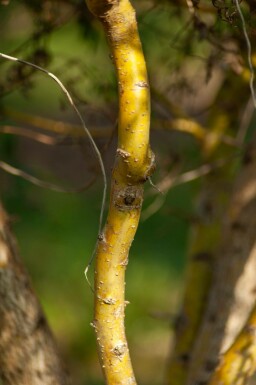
[(57, 232)]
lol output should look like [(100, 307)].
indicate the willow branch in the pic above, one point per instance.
[(133, 164), (200, 133), (184, 123), (238, 363)]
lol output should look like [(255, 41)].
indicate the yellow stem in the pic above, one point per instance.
[(133, 165), (239, 362)]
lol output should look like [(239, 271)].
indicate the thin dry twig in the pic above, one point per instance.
[(56, 126), (97, 152), (188, 176), (38, 182), (170, 181), (26, 176), (30, 134)]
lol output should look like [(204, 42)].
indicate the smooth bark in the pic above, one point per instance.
[(134, 163)]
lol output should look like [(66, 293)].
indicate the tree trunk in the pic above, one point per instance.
[(233, 292), (28, 353)]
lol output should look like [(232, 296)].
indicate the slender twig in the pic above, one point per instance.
[(154, 207), (94, 146), (38, 182), (37, 136), (57, 126), (171, 181), (188, 176), (65, 91)]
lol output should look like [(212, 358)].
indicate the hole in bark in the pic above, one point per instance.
[(129, 199)]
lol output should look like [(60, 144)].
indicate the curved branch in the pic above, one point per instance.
[(133, 164)]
